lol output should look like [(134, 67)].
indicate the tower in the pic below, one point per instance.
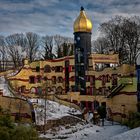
[(82, 41)]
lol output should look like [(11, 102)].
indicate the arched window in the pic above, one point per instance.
[(59, 90), (47, 68), (54, 80), (60, 79), (33, 90), (54, 89)]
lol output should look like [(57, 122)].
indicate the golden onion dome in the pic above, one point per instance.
[(82, 23)]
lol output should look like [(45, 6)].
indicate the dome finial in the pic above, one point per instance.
[(82, 23), (82, 8)]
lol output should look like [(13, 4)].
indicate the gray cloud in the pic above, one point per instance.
[(57, 16)]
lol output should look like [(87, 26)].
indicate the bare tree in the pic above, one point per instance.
[(15, 45), (101, 45), (66, 49), (111, 31), (71, 48), (59, 40), (64, 46), (3, 55), (123, 35), (32, 45), (48, 46), (131, 31)]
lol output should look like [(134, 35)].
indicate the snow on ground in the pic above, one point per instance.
[(86, 132), (54, 110), (133, 134), (79, 131), (4, 87)]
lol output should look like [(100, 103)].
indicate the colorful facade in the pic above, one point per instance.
[(58, 75)]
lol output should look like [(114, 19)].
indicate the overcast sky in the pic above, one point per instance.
[(57, 16)]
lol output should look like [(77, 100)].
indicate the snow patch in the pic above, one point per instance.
[(54, 110), (4, 87), (86, 132), (133, 134)]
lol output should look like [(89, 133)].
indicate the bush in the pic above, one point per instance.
[(133, 121), (4, 133), (24, 133), (5, 121), (9, 131)]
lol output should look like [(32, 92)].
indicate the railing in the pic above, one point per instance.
[(116, 90)]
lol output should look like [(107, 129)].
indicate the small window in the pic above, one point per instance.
[(88, 90), (39, 90), (73, 78), (37, 69), (54, 89), (49, 89), (58, 69), (92, 80), (60, 79), (72, 88), (45, 78), (67, 63), (59, 89), (22, 89), (32, 79), (73, 68), (107, 78), (88, 78), (38, 78), (47, 69), (54, 80), (33, 90)]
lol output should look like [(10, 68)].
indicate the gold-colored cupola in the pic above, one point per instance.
[(82, 23)]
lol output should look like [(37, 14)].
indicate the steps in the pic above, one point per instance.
[(116, 90)]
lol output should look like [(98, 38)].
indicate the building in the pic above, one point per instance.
[(86, 79)]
